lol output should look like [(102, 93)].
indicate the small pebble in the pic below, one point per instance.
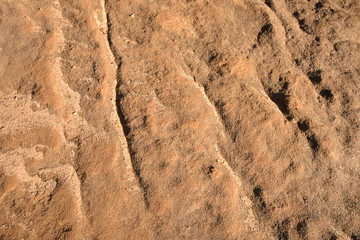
[(74, 113), (27, 17), (73, 67), (132, 15), (15, 98), (2, 129), (40, 9)]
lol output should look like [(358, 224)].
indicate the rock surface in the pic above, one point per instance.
[(189, 119)]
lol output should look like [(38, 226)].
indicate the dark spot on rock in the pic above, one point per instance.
[(269, 3), (333, 237), (303, 26), (259, 203), (313, 143), (296, 15), (318, 5), (353, 237), (281, 100), (257, 191), (301, 229), (327, 94), (212, 57), (303, 126), (219, 220), (265, 30), (63, 233), (162, 165), (315, 76), (281, 229), (210, 170), (35, 89)]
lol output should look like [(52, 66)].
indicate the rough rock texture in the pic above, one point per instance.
[(181, 119)]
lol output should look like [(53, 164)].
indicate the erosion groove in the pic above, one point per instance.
[(251, 221), (121, 115)]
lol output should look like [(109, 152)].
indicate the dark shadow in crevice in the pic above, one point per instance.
[(301, 229), (259, 203), (313, 143), (265, 30), (303, 125), (281, 229), (315, 76), (327, 94), (281, 99), (124, 123), (303, 26), (333, 237), (296, 14), (354, 237), (119, 97), (269, 3), (318, 6)]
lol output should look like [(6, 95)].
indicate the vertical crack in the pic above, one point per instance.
[(119, 96), (314, 145)]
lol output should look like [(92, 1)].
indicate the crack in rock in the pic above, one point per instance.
[(120, 113)]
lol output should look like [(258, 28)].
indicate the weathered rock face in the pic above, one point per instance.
[(196, 119)]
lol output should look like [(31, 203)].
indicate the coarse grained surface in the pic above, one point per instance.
[(188, 119)]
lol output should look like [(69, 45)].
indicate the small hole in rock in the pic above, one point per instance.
[(353, 237), (268, 3), (303, 126), (257, 191), (282, 229), (313, 143), (212, 58), (301, 229), (282, 101), (327, 94), (296, 14), (211, 170), (303, 26), (265, 30), (315, 76), (333, 237), (259, 203), (319, 5)]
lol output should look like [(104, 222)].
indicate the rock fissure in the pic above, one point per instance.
[(121, 114)]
